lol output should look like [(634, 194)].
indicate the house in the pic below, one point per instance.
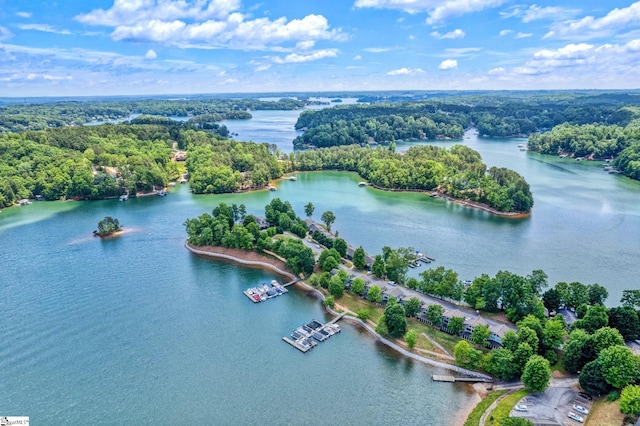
[(394, 292), (368, 259), (497, 333), (262, 222), (313, 226)]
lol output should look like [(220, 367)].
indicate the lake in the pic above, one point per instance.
[(137, 328)]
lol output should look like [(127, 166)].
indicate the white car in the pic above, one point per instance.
[(521, 407), (580, 409), (575, 417)]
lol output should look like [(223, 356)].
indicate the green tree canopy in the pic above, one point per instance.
[(359, 258), (536, 374), (630, 400), (395, 320)]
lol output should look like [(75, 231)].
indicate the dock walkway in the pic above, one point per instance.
[(453, 379), (315, 332)]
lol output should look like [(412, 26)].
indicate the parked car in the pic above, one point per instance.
[(575, 417), (585, 396), (521, 407), (580, 409)]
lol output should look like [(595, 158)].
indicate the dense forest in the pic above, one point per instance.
[(457, 172), (96, 162), (594, 141), (19, 117), (446, 117)]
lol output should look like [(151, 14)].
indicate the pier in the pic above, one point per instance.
[(453, 379), (265, 291)]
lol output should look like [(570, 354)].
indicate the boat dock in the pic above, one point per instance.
[(308, 336), (453, 379), (420, 258), (265, 291)]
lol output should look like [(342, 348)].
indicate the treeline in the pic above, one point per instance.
[(230, 226), (84, 162), (457, 172), (19, 117), (358, 124), (594, 141), (446, 116)]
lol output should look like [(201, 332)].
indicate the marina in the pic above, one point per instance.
[(265, 291), (308, 336)]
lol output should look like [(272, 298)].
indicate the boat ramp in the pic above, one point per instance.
[(308, 336), (265, 291)]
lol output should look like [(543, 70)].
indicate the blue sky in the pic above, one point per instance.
[(120, 47)]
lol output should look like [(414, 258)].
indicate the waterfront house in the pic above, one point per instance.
[(262, 222)]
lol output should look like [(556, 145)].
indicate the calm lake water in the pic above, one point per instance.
[(137, 328)]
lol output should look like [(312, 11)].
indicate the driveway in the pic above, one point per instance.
[(552, 406)]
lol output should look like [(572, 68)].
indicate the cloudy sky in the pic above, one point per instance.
[(113, 47)]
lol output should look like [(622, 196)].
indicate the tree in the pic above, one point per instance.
[(499, 362), (527, 335), (329, 301), (309, 208), (336, 286), (592, 380), (536, 374), (619, 367), (359, 258), (552, 299), (395, 320), (578, 294), (597, 294), (630, 299), (626, 321), (606, 337), (434, 314), (364, 314), (340, 246), (378, 268), (595, 318), (412, 307), (466, 356), (328, 218), (456, 325), (480, 335), (374, 294), (553, 334), (630, 400), (108, 226), (411, 338), (521, 356), (357, 286), (574, 351)]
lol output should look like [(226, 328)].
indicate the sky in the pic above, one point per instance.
[(145, 47)]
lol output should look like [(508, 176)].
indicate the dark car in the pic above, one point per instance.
[(585, 396)]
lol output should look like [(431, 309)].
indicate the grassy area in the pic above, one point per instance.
[(474, 417), (558, 367), (447, 341), (605, 413), (505, 406)]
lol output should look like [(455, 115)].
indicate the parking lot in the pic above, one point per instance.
[(553, 406)]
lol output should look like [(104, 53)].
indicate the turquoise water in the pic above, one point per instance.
[(137, 328)]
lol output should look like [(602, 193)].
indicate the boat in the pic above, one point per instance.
[(161, 193), (362, 183), (293, 178), (124, 197)]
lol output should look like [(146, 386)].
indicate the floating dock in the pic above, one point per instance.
[(265, 291), (309, 335)]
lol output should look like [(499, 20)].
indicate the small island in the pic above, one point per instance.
[(108, 227)]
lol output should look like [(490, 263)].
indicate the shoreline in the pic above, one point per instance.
[(257, 260)]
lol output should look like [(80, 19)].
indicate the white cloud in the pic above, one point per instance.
[(448, 64), (24, 14), (535, 12), (5, 33), (585, 59), (457, 33), (505, 32), (497, 71), (437, 9), (591, 27), (378, 49), (151, 54), (523, 35), (406, 71), (297, 58), (44, 28), (461, 51), (208, 24), (131, 12), (357, 58)]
